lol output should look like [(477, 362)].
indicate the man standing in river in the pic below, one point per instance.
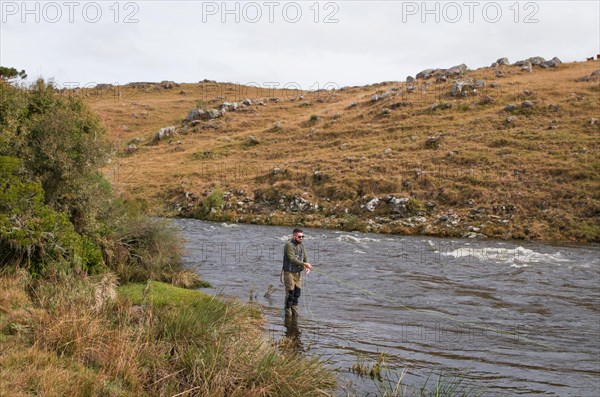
[(295, 261)]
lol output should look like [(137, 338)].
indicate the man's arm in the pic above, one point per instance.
[(307, 266)]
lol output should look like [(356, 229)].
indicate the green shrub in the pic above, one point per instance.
[(57, 211), (354, 223), (415, 206), (213, 201), (34, 234)]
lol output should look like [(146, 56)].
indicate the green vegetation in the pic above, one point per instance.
[(78, 338), (211, 204), (10, 74), (57, 212), (390, 383), (66, 241)]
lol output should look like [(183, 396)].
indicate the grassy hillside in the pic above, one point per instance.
[(438, 164)]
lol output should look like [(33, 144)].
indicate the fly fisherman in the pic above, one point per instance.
[(295, 261)]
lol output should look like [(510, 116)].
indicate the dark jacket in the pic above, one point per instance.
[(294, 256)]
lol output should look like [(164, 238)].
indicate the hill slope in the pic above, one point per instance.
[(413, 159)]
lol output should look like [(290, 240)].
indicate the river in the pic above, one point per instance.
[(504, 318)]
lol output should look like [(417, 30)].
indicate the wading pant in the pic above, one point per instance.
[(293, 285)]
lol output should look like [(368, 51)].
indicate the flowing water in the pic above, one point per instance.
[(505, 318)]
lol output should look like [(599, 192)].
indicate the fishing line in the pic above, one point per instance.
[(309, 295), (430, 312)]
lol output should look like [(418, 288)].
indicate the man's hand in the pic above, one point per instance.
[(307, 267)]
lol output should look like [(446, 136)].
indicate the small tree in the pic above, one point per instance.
[(11, 74)]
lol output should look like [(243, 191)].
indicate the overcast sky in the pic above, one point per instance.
[(305, 43)]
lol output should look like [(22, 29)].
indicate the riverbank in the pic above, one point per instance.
[(83, 336)]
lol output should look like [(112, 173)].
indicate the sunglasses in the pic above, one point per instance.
[(300, 236)]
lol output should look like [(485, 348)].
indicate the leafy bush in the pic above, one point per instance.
[(57, 212), (213, 201), (33, 233)]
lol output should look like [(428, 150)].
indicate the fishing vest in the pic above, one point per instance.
[(299, 252)]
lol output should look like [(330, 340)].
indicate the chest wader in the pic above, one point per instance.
[(291, 302)]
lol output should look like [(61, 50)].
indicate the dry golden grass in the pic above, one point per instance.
[(154, 340), (543, 167)]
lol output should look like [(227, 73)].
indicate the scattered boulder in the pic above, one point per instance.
[(247, 102), (592, 77), (213, 114), (511, 107), (457, 70), (511, 119), (554, 108), (527, 67), (371, 205), (398, 204), (167, 85), (502, 62), (228, 106), (461, 88), (164, 133), (499, 73), (533, 61), (554, 62), (103, 86), (486, 100), (593, 121), (440, 105), (410, 79), (299, 204), (442, 74), (131, 148), (537, 61), (434, 142), (528, 104), (195, 114), (425, 74)]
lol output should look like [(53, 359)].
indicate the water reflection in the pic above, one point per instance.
[(292, 334)]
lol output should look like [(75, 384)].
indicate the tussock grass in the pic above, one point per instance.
[(154, 339), (391, 383)]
